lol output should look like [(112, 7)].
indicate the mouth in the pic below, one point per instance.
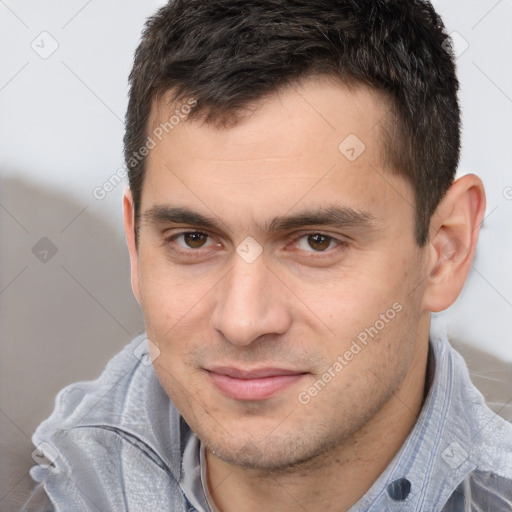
[(253, 385)]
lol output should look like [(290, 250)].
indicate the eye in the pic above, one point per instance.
[(316, 242), (192, 240)]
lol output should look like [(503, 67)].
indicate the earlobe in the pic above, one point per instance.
[(454, 229), (129, 229)]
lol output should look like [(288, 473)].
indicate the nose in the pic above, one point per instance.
[(251, 302)]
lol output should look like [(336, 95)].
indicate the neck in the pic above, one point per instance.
[(333, 481)]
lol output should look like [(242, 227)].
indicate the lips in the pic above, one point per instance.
[(252, 385)]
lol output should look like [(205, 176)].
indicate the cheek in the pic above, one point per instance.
[(372, 314), (183, 391), (170, 295), (358, 301)]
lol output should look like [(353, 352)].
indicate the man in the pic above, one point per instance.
[(292, 222)]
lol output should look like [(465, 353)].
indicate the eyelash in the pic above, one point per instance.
[(195, 253), (340, 244)]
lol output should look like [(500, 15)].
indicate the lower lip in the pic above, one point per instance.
[(253, 389)]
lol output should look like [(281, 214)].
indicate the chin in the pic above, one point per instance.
[(274, 455)]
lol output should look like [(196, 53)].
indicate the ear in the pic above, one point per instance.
[(454, 229), (129, 230)]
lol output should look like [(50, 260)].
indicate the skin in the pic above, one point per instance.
[(301, 303)]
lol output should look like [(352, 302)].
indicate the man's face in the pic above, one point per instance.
[(247, 327)]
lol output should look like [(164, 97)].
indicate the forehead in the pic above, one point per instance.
[(311, 143), (312, 108)]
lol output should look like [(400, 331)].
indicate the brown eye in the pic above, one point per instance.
[(319, 242), (195, 240)]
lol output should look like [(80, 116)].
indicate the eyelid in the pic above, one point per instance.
[(175, 232), (341, 242), (305, 239), (181, 249), (208, 242), (342, 239)]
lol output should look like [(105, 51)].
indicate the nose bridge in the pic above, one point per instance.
[(246, 293), (247, 304)]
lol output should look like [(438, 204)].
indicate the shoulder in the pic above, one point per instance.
[(485, 435), (114, 438), (126, 384), (481, 491)]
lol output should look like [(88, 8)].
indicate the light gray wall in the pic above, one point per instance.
[(482, 317), (61, 138)]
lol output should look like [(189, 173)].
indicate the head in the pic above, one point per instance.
[(292, 202)]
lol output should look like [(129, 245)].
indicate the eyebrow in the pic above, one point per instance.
[(162, 214), (340, 217), (335, 216)]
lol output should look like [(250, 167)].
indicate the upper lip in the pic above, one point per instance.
[(257, 373)]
